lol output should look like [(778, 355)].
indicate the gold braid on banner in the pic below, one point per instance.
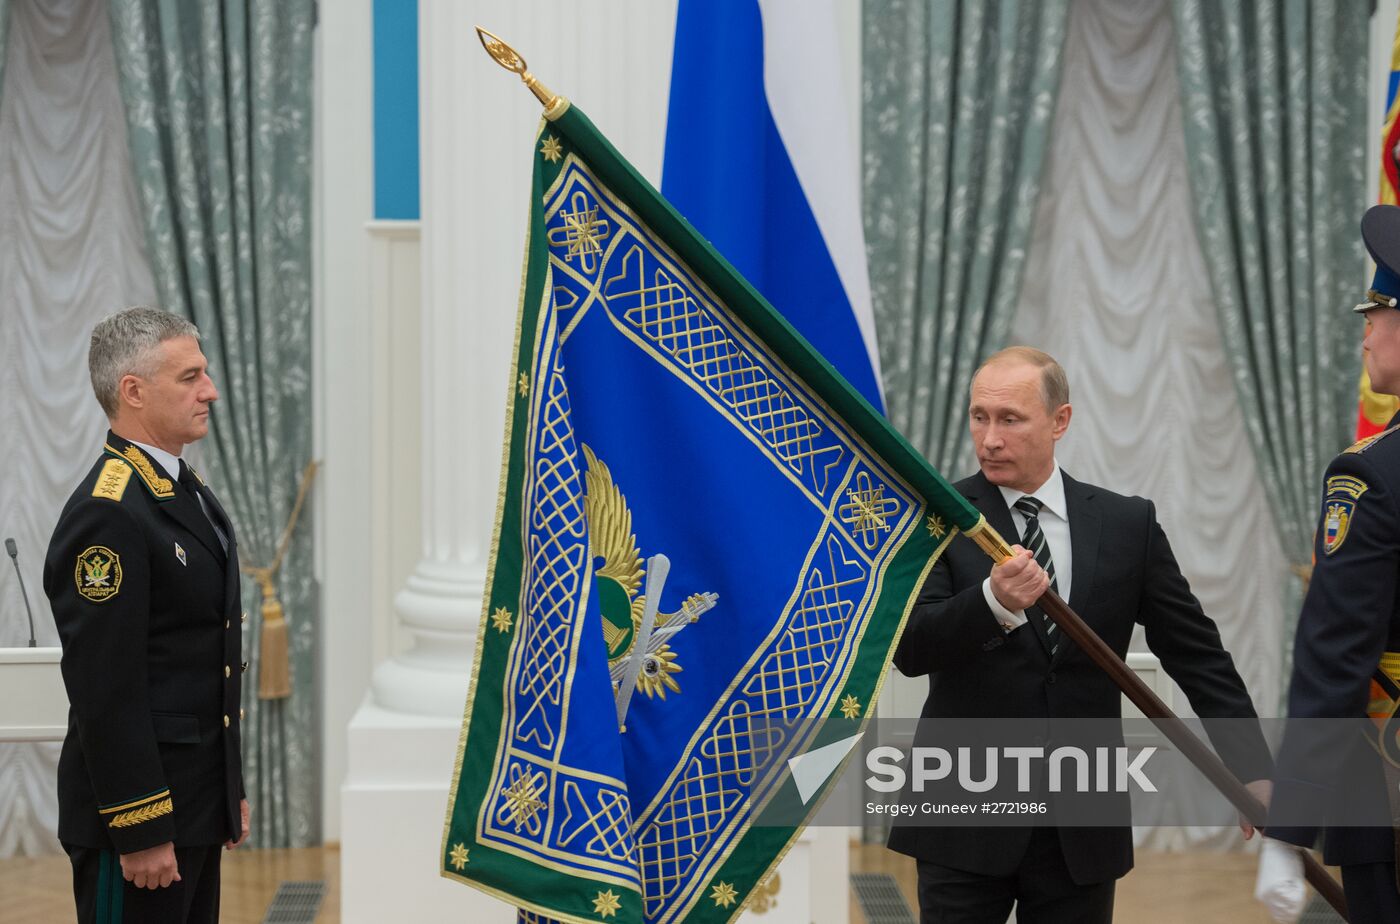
[(274, 663)]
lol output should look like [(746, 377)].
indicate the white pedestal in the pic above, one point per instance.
[(392, 808), (812, 882)]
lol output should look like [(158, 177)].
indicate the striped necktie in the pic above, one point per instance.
[(190, 483), (1034, 540)]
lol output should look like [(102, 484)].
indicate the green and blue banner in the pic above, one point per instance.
[(707, 543)]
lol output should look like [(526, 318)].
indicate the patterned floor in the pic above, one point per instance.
[(1187, 888)]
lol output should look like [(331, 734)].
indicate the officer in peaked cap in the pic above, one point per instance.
[(142, 574), (1346, 658)]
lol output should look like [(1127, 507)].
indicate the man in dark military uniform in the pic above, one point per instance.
[(142, 574), (1348, 633)]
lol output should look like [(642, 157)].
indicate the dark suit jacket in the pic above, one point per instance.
[(147, 606), (1329, 771), (1123, 573)]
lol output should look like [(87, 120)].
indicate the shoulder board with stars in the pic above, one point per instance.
[(161, 488), (1368, 442), (112, 480)]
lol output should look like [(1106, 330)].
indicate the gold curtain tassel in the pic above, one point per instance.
[(274, 656), (274, 664)]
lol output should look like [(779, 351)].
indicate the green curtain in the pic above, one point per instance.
[(218, 102), (1274, 98), (4, 35), (958, 100)]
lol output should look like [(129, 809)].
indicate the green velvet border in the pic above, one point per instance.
[(761, 847)]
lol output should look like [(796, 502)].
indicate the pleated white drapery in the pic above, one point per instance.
[(71, 251), (1116, 289)]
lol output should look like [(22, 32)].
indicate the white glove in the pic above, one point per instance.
[(1280, 887)]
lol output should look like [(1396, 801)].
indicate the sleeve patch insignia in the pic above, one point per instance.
[(1339, 507), (98, 574)]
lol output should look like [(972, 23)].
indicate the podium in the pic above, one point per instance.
[(33, 702)]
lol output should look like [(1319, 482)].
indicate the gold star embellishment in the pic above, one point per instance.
[(936, 527), (552, 149), (724, 895), (606, 904), (501, 619), (459, 856), (850, 707), (523, 386)]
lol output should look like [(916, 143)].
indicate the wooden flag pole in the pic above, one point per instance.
[(1069, 622), (1141, 695)]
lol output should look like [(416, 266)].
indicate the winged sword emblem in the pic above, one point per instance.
[(618, 581)]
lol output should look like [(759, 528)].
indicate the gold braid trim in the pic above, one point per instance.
[(160, 487), (143, 814)]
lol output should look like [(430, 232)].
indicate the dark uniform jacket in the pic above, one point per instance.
[(1329, 771), (146, 599), (1124, 574)]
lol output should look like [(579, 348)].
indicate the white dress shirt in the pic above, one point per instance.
[(1054, 524)]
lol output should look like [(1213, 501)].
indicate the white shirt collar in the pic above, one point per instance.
[(168, 462), (1051, 494)]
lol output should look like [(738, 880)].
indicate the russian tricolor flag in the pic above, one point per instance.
[(759, 159)]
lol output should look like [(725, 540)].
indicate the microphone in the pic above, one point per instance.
[(14, 557)]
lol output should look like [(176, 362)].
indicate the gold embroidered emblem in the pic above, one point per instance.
[(501, 619), (850, 707), (523, 386), (1343, 491), (552, 150), (583, 232), (936, 527), (606, 904), (724, 895), (867, 510), (459, 856), (523, 800), (111, 481), (160, 487), (618, 581), (98, 574), (143, 814)]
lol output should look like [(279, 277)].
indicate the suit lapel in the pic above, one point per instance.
[(231, 576), (1084, 527), (209, 513), (185, 511), (988, 499), (172, 499)]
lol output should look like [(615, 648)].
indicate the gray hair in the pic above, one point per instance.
[(125, 343), (1054, 384)]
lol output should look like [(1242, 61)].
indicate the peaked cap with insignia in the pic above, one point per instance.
[(1380, 229)]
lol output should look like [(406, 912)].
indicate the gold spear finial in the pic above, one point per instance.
[(510, 59)]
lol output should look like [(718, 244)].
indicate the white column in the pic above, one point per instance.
[(477, 122), (466, 341), (477, 127)]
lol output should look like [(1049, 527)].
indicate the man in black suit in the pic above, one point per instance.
[(1346, 655), (142, 574), (989, 652)]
